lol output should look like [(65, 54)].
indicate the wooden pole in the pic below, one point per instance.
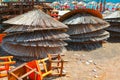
[(101, 6)]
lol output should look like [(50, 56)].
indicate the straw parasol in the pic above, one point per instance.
[(115, 34), (92, 3), (81, 3), (114, 15), (34, 35), (55, 3), (74, 2), (114, 20), (110, 4), (85, 27), (106, 13)]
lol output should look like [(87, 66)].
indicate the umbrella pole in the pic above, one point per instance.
[(100, 5), (104, 5)]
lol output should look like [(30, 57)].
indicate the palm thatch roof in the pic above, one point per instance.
[(81, 11), (114, 20), (106, 13), (85, 25), (114, 15), (115, 34), (81, 22), (114, 28), (114, 23), (84, 46), (92, 34), (34, 20), (31, 52), (34, 35), (30, 29), (86, 28), (89, 39), (47, 43), (83, 19)]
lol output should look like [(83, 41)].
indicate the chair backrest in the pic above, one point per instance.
[(5, 63), (57, 60), (34, 64), (37, 69), (41, 67), (23, 72)]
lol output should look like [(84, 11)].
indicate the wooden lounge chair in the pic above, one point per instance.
[(5, 63), (37, 69)]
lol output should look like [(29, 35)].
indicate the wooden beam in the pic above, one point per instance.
[(12, 62), (17, 68), (28, 73), (45, 74), (45, 59), (14, 75), (4, 57)]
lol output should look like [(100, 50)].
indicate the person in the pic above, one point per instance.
[(54, 14)]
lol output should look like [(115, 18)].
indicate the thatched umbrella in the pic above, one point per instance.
[(106, 13), (114, 15), (81, 3), (114, 20), (34, 35), (85, 28)]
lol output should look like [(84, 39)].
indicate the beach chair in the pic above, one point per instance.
[(5, 63), (56, 63), (45, 66), (41, 67), (29, 71), (22, 72), (37, 69)]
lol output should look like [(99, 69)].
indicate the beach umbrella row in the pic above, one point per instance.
[(92, 5), (114, 20), (85, 29), (68, 4), (34, 35), (106, 13)]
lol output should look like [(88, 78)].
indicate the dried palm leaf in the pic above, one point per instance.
[(28, 51), (30, 29), (114, 28), (113, 20), (94, 39), (80, 29), (92, 34), (36, 36), (114, 23), (44, 43), (85, 26), (114, 34), (83, 19), (106, 13), (36, 20), (84, 46), (81, 11), (114, 15), (114, 39)]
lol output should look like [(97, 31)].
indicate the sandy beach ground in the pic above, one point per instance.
[(99, 64)]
